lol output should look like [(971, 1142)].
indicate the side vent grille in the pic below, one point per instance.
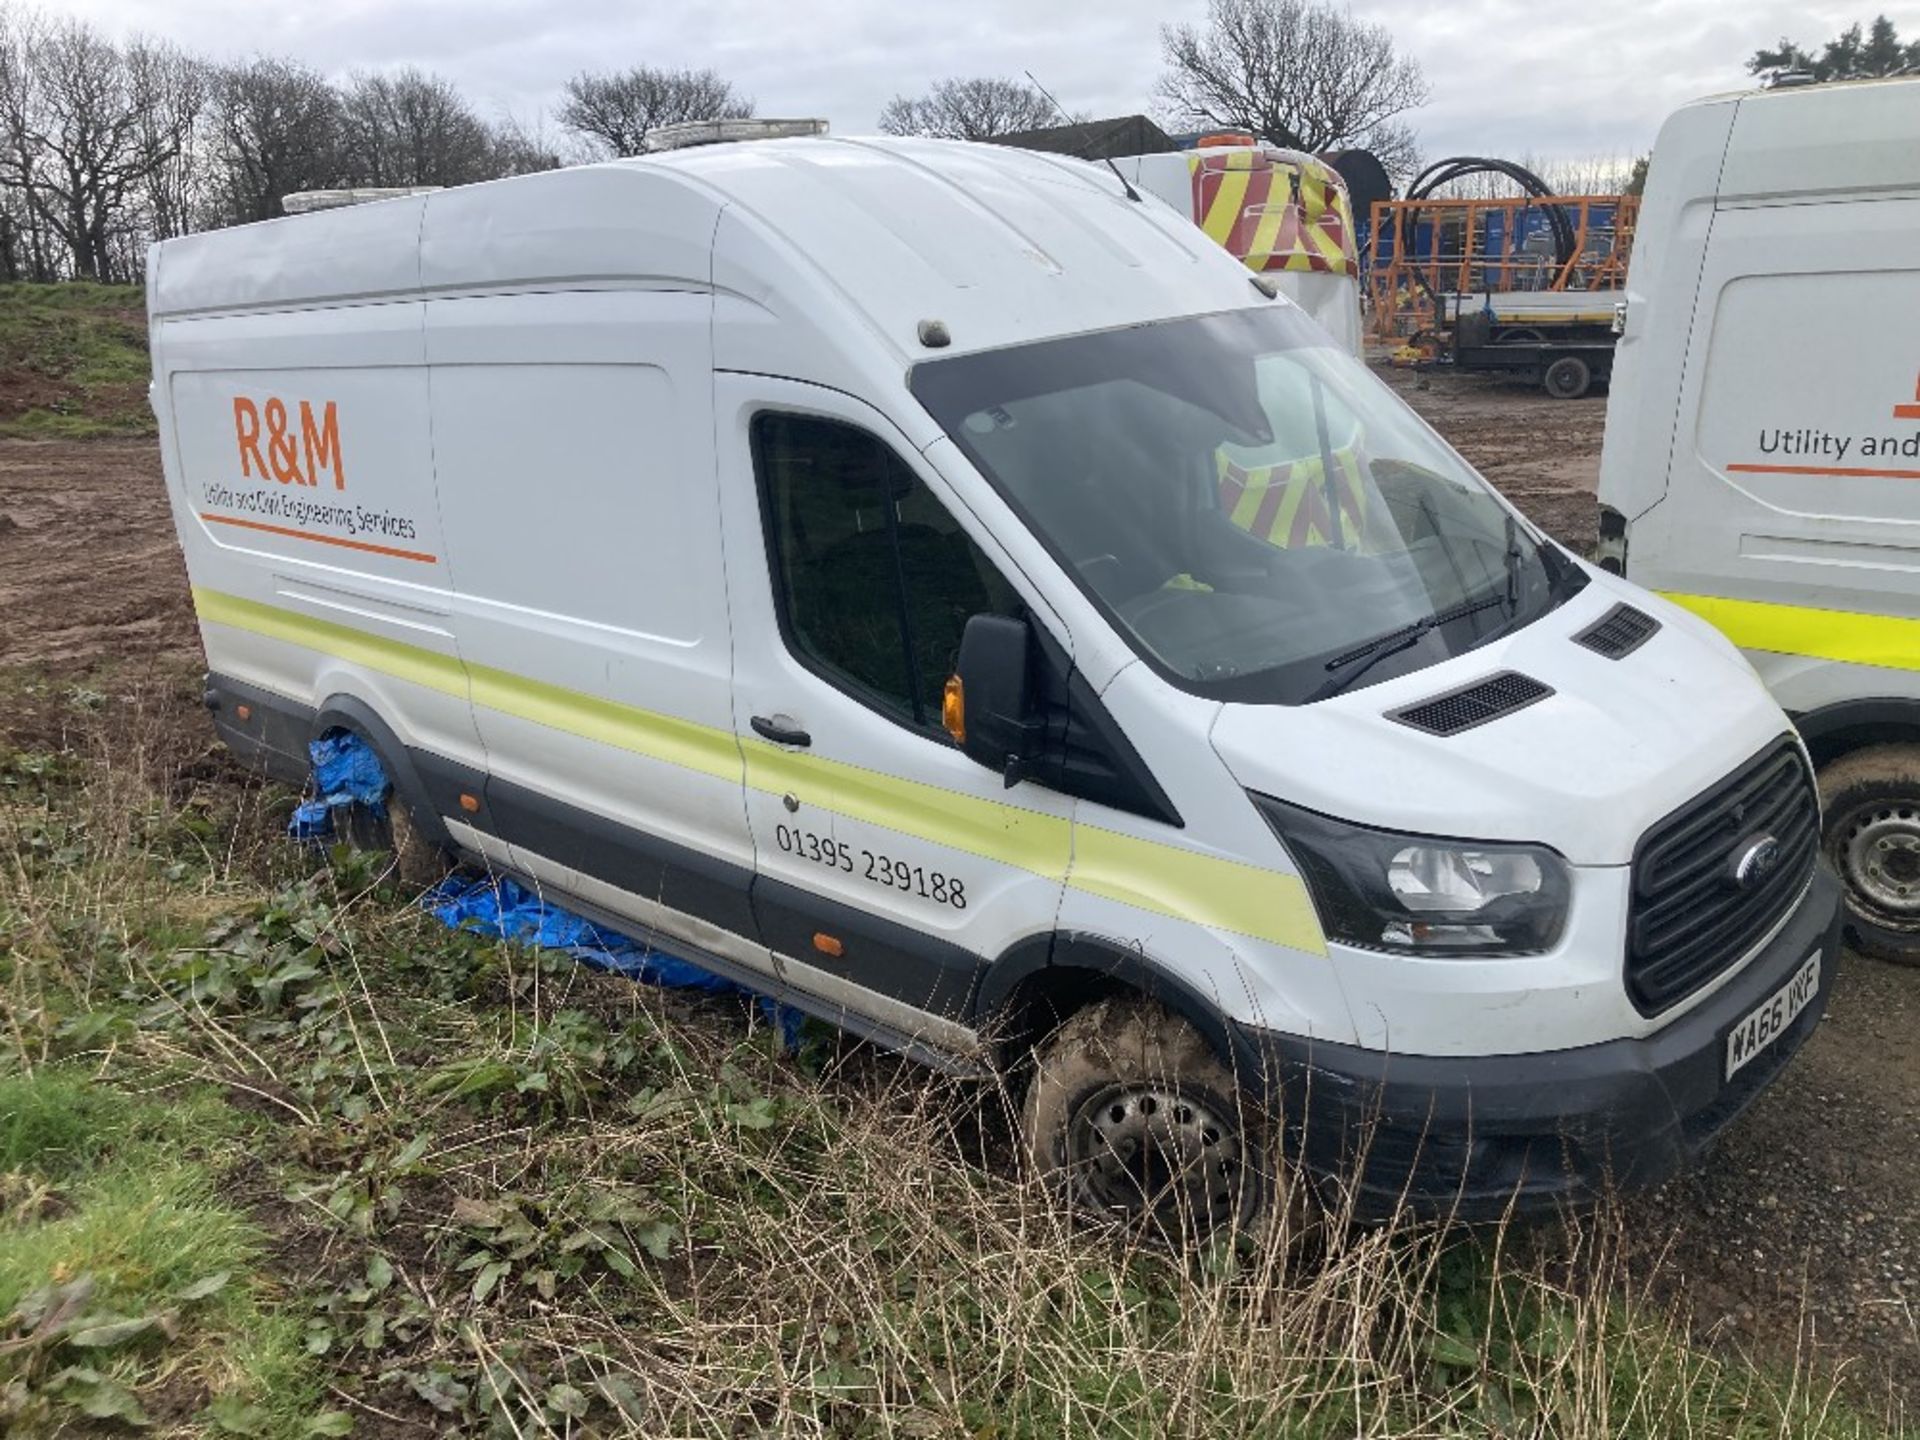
[(1473, 704), (1619, 632)]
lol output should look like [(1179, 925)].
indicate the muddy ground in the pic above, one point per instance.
[(1803, 1232)]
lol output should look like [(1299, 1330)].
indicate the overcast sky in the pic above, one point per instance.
[(1508, 77)]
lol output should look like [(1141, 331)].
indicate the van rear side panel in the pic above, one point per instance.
[(1794, 493), (302, 481)]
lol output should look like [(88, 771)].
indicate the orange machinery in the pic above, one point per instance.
[(1425, 258)]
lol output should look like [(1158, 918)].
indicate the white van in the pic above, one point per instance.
[(1762, 460), (1282, 213), (915, 580)]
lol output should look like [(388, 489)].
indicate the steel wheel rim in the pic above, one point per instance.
[(1158, 1152), (1878, 853), (1565, 389)]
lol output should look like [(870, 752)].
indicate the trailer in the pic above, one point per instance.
[(1560, 340), (1524, 286)]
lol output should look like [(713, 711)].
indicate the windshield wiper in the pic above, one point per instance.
[(1394, 641), (1515, 557)]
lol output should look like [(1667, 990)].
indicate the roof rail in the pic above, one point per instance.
[(721, 132), (305, 202)]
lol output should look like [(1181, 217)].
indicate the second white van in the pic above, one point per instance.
[(1763, 438), (927, 585)]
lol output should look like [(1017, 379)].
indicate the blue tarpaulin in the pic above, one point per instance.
[(508, 910), (345, 772)]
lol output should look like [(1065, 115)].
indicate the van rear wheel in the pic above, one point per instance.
[(1871, 799), (1137, 1121), (411, 859)]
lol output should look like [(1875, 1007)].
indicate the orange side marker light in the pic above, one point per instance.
[(470, 804), (953, 710), (828, 944)]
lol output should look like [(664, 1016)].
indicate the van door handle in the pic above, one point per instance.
[(780, 730)]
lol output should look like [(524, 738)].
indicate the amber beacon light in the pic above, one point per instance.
[(953, 710)]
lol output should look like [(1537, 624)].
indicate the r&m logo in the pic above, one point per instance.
[(271, 450), (1909, 412)]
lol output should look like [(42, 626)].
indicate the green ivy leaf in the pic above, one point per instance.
[(233, 1416), (1445, 1349), (200, 1289), (490, 1275), (656, 1239), (100, 1334), (103, 1399), (622, 1396)]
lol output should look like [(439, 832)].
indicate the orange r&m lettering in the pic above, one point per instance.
[(322, 444), (246, 428)]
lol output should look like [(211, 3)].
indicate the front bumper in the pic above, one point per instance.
[(1476, 1138)]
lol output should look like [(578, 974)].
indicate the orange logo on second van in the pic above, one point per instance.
[(1909, 412), (270, 449)]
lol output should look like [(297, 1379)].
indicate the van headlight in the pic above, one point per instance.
[(1418, 895)]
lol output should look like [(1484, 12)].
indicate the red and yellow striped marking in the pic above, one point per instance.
[(1273, 214), (1285, 504)]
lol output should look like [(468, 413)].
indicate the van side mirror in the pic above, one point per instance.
[(989, 704)]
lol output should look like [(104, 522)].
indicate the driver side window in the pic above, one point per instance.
[(874, 580)]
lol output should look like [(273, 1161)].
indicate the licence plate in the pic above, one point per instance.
[(1764, 1026)]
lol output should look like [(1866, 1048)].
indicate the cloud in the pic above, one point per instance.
[(1507, 76)]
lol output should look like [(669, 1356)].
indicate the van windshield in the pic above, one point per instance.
[(1258, 514)]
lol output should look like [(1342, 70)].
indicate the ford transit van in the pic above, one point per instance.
[(930, 586), (1762, 458)]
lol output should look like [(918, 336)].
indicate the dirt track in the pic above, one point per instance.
[(1806, 1226), (89, 568)]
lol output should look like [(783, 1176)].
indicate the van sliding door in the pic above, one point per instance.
[(572, 445)]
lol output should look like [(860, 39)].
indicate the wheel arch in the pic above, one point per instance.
[(351, 713), (1845, 726), (1031, 989)]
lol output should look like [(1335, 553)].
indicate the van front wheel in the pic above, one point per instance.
[(1872, 803), (1135, 1118)]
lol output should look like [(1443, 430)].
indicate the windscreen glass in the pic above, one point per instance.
[(1260, 516)]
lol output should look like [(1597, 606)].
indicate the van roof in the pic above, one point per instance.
[(1003, 244), (1849, 136)]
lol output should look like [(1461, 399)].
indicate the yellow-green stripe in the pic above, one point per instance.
[(425, 667), (1848, 636), (1162, 879)]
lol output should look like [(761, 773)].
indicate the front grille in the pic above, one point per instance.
[(1619, 632), (1690, 919), (1473, 704)]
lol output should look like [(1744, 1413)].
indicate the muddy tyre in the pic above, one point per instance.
[(412, 861), (1871, 800), (1568, 378), (1134, 1117)]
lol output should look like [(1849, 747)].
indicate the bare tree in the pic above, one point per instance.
[(72, 126), (1300, 73), (171, 88), (977, 109), (275, 130), (616, 110), (519, 148), (410, 128)]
